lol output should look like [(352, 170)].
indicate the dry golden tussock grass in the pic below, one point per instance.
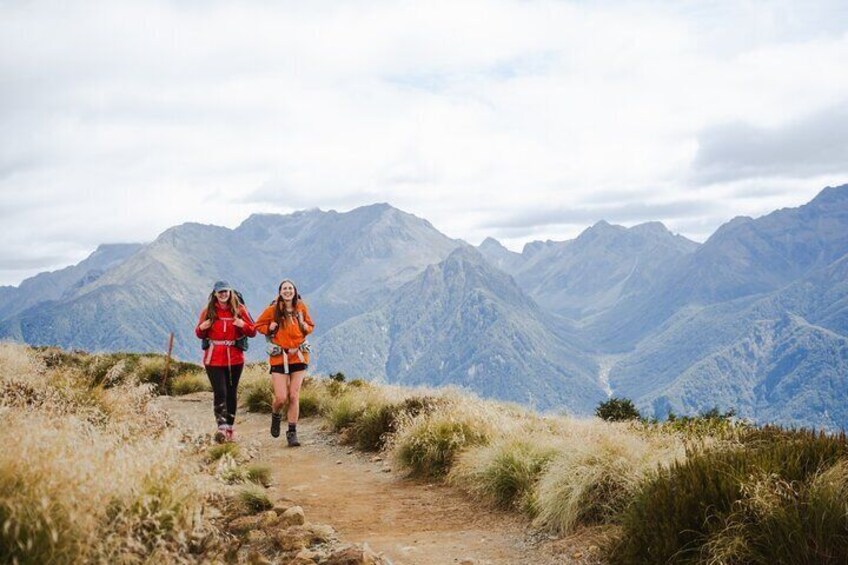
[(564, 472), (592, 479), (93, 474)]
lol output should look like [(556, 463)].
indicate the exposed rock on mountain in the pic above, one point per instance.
[(755, 319), (780, 371), (499, 256), (56, 284), (744, 258), (342, 263), (603, 266), (465, 323), (795, 335)]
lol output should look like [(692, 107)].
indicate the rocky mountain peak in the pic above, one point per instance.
[(600, 230), (532, 248), (651, 228), (831, 195), (381, 211), (491, 244)]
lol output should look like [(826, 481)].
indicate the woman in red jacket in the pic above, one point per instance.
[(287, 323), (224, 326)]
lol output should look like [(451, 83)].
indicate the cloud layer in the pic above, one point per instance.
[(518, 120)]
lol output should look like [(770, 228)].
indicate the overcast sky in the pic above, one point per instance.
[(519, 120)]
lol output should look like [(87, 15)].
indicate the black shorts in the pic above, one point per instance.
[(293, 368)]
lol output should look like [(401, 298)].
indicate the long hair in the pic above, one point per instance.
[(233, 303), (280, 304)]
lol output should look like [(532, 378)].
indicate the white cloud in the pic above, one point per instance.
[(121, 119)]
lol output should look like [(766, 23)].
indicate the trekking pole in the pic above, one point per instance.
[(168, 361)]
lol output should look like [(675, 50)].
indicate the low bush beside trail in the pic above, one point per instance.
[(778, 498), (595, 473), (114, 369), (505, 472), (429, 445), (255, 388)]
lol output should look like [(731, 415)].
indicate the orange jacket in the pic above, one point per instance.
[(289, 336)]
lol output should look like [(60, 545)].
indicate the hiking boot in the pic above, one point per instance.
[(275, 425), (230, 434), (291, 438), (221, 435)]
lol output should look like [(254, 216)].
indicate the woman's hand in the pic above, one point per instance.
[(303, 327), (272, 327), (238, 322), (205, 325)]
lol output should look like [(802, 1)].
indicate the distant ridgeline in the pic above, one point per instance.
[(754, 320)]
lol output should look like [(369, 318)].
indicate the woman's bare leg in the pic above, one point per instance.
[(295, 382), (281, 394)]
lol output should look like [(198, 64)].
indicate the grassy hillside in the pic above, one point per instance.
[(92, 470), (692, 490)]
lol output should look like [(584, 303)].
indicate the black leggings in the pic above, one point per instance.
[(224, 381)]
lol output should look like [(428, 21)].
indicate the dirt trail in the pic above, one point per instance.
[(409, 522)]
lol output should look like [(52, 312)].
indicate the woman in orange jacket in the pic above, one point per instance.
[(286, 322), (223, 325)]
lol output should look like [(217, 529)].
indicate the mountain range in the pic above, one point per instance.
[(755, 319)]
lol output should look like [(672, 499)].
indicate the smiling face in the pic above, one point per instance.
[(223, 296), (287, 291)]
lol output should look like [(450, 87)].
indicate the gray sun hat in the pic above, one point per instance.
[(221, 285)]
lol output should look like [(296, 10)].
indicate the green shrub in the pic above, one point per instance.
[(151, 370), (54, 357), (114, 369), (343, 411), (157, 515), (311, 399), (309, 406), (698, 506), (506, 472), (254, 499), (430, 447), (216, 452), (712, 424), (189, 383), (258, 396), (336, 388), (617, 410), (780, 521), (259, 474), (379, 420), (373, 426)]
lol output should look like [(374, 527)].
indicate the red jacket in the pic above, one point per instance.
[(223, 330)]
